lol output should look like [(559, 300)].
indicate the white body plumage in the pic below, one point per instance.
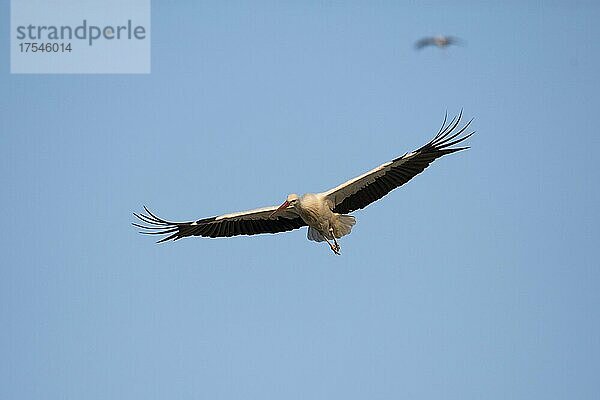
[(316, 211)]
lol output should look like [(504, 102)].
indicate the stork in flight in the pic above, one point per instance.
[(438, 41), (325, 213)]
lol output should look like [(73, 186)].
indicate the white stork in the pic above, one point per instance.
[(438, 41), (324, 213)]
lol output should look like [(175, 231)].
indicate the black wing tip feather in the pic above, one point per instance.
[(450, 134), (153, 225)]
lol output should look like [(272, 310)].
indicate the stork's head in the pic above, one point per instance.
[(291, 200)]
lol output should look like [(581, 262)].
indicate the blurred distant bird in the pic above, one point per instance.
[(324, 213), (439, 41)]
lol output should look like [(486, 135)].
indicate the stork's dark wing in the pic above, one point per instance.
[(427, 41), (373, 185), (454, 40), (250, 222)]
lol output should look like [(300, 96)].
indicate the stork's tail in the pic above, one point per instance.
[(344, 224)]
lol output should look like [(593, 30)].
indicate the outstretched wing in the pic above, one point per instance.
[(371, 186), (250, 222), (454, 40), (427, 41)]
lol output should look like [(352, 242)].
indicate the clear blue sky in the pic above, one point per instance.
[(478, 279)]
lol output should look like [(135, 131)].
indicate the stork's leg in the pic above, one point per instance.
[(335, 243), (336, 248)]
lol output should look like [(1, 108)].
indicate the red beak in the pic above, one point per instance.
[(281, 207)]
